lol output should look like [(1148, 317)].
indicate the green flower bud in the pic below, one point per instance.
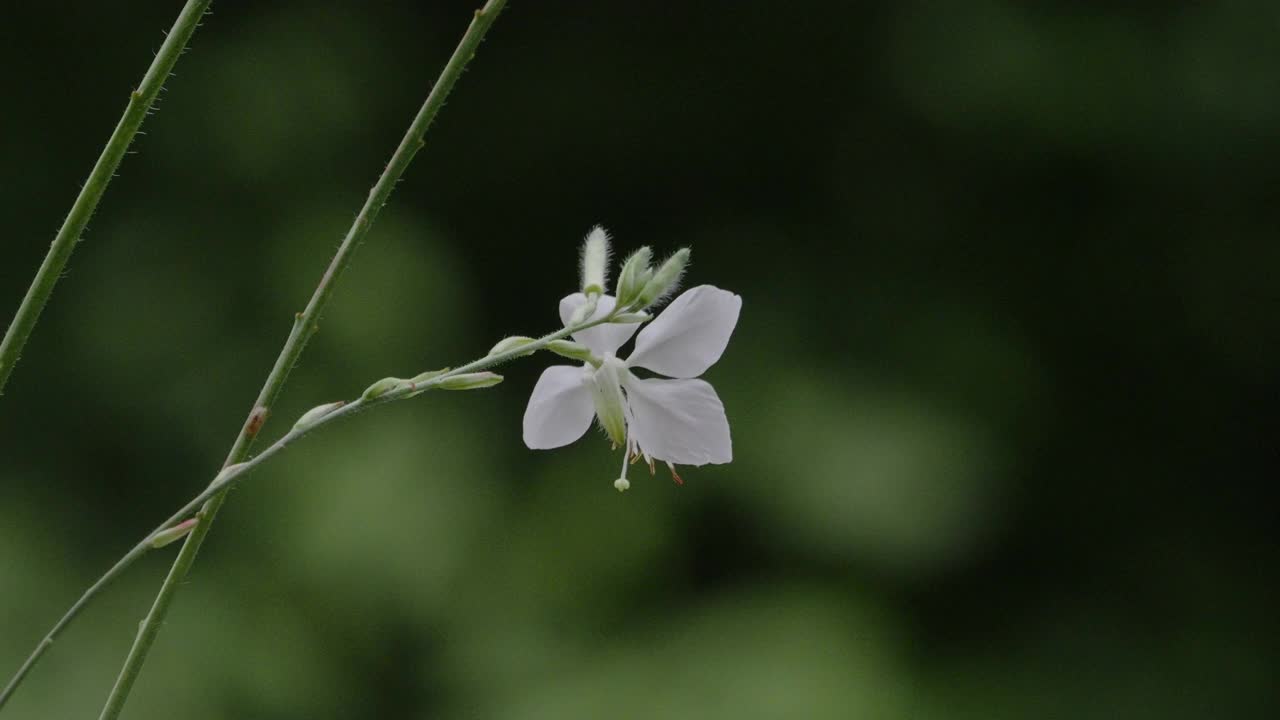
[(511, 343), (428, 375), (311, 416), (421, 379), (573, 351), (665, 280), (380, 388), (595, 261), (635, 274), (470, 381)]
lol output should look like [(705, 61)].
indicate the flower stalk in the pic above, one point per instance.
[(234, 474)]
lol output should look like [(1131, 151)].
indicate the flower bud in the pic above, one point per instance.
[(428, 375), (380, 388), (665, 280), (173, 534), (421, 379), (622, 484), (595, 261), (311, 416), (470, 381), (511, 343), (635, 273), (572, 350)]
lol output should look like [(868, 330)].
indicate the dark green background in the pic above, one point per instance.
[(1003, 394)]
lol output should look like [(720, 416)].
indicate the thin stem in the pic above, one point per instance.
[(235, 474), (305, 327), (140, 102)]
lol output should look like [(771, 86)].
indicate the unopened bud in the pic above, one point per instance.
[(174, 534), (571, 350), (635, 273), (420, 380), (311, 416), (428, 375), (380, 388), (665, 280), (511, 343), (595, 261), (622, 484), (470, 381)]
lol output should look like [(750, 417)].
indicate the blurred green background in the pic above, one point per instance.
[(1002, 395)]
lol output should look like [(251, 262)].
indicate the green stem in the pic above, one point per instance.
[(140, 102), (303, 329), (234, 475)]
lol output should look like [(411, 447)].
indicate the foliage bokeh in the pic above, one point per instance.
[(999, 394)]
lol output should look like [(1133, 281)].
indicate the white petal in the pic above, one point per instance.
[(560, 409), (689, 336), (679, 421), (600, 339)]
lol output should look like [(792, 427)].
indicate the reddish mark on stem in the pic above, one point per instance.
[(254, 423)]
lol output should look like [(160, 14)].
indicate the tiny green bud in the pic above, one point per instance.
[(417, 381), (174, 534), (595, 261), (636, 317), (634, 276), (571, 350), (380, 388), (622, 484), (511, 343), (428, 375), (470, 381), (665, 280), (309, 417)]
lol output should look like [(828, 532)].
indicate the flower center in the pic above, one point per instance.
[(606, 392)]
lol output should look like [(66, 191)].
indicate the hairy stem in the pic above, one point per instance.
[(304, 328), (140, 102)]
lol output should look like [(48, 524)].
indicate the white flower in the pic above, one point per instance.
[(679, 421)]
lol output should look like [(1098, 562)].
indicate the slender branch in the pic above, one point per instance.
[(140, 102), (305, 327), (233, 475)]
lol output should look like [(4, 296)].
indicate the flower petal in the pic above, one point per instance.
[(600, 339), (560, 408), (690, 335), (679, 421)]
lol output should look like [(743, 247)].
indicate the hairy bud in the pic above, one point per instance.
[(665, 280), (595, 261), (573, 351), (511, 343), (635, 274), (470, 381)]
